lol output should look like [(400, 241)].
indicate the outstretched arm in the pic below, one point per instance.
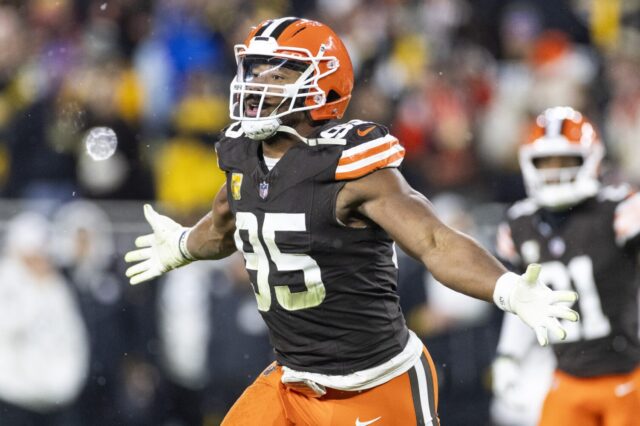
[(453, 258), (172, 245), (212, 236)]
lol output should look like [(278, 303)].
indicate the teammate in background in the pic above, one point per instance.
[(522, 374), (315, 206), (586, 237)]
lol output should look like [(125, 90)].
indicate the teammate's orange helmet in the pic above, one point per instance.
[(562, 132), (326, 75)]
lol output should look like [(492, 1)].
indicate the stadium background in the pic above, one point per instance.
[(457, 81)]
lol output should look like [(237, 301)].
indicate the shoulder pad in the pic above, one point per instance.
[(230, 150), (522, 208), (615, 193), (354, 132), (369, 147), (233, 130)]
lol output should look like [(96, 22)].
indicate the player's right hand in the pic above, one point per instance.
[(158, 252), (535, 303), (505, 375)]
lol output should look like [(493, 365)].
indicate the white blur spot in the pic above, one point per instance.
[(101, 143), (103, 6)]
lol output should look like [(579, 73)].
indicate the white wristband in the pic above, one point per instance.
[(182, 245), (502, 291)]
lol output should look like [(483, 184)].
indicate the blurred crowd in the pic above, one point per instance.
[(457, 81), (79, 346)]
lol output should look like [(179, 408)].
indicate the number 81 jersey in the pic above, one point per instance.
[(327, 292), (592, 249)]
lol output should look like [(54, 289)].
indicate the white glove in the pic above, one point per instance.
[(505, 377), (535, 303), (159, 252)]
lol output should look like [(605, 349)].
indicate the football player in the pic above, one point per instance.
[(315, 206), (586, 236)]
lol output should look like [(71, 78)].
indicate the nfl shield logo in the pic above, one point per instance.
[(263, 190)]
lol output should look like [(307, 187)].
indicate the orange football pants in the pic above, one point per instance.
[(409, 399), (612, 400)]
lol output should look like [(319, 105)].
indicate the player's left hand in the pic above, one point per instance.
[(535, 303)]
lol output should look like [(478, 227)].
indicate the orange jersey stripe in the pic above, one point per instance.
[(368, 168), (368, 153)]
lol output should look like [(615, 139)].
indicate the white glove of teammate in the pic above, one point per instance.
[(159, 252), (535, 303), (506, 375)]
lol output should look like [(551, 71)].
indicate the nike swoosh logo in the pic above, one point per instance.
[(366, 131), (359, 423), (624, 389)]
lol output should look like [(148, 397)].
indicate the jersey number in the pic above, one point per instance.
[(259, 262), (578, 275), (341, 130)]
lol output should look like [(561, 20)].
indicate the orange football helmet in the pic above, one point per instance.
[(309, 47), (562, 132)]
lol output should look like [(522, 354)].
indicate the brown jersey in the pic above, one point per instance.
[(588, 249), (327, 292)]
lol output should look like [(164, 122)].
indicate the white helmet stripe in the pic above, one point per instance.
[(554, 127), (275, 24)]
